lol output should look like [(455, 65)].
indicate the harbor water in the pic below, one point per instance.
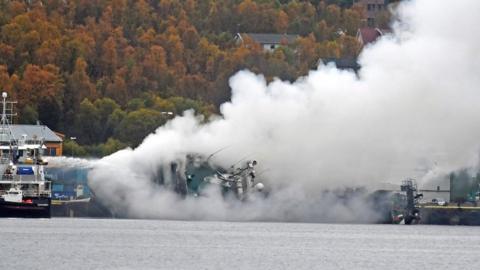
[(62, 243)]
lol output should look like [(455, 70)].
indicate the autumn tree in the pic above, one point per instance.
[(109, 59), (307, 54), (117, 90), (352, 20), (333, 15), (79, 86), (281, 22), (248, 15), (5, 84), (40, 82), (349, 47), (117, 64)]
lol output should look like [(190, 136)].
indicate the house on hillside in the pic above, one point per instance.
[(371, 9), (53, 142), (368, 35), (268, 41)]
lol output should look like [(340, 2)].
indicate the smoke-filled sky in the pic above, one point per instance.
[(413, 110)]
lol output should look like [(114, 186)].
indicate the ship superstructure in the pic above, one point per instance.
[(196, 172), (24, 192), (239, 180)]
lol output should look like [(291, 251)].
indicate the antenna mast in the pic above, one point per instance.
[(6, 136)]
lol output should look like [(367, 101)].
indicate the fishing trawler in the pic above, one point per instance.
[(196, 173), (24, 192), (200, 172)]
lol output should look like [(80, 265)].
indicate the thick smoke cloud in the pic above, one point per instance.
[(411, 111)]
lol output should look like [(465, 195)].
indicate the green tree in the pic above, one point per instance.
[(49, 112), (138, 124), (28, 115), (112, 145), (105, 108), (72, 148), (87, 123)]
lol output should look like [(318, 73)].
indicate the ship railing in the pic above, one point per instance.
[(4, 160), (7, 177), (28, 178), (29, 193), (36, 193), (22, 178)]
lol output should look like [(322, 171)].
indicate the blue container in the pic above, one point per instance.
[(25, 171)]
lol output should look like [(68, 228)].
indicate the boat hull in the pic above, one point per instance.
[(71, 208), (450, 215), (39, 208)]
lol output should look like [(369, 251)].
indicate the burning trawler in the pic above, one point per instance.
[(24, 192), (192, 175)]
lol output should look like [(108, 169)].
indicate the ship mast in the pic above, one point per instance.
[(6, 135), (4, 116)]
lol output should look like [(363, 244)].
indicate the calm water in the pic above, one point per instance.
[(154, 244)]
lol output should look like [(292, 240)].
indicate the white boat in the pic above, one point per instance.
[(24, 192)]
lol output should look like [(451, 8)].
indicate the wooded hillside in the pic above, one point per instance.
[(108, 71)]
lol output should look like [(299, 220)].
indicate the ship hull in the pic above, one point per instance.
[(39, 208), (71, 208), (450, 215)]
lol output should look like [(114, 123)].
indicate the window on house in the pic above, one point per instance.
[(371, 22), (272, 46), (379, 6)]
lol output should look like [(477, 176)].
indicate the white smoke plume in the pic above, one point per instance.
[(411, 111), (70, 162)]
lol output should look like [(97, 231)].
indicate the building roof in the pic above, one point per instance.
[(270, 38), (343, 63), (34, 131), (369, 34)]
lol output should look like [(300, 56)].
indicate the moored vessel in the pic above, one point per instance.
[(462, 207), (24, 192)]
